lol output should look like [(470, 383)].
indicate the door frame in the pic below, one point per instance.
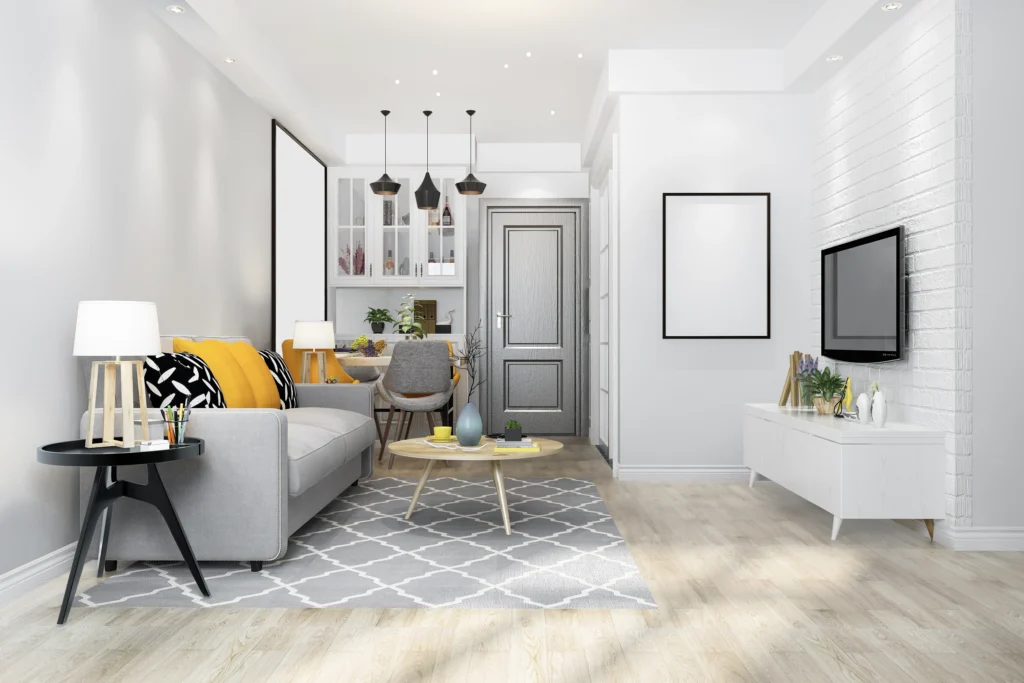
[(581, 290)]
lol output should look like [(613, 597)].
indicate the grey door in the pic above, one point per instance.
[(533, 299)]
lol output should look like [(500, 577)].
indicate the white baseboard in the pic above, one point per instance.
[(735, 473), (41, 568), (980, 538)]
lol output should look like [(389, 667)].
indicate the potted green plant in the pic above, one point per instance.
[(823, 387), (408, 322), (513, 431), (377, 317)]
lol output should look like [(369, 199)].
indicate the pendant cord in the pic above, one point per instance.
[(428, 144), (470, 144), (385, 146)]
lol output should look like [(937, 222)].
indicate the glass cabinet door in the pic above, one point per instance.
[(351, 243), (396, 255), (443, 232)]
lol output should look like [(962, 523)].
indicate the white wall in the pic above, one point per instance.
[(998, 147), (131, 169), (681, 400), (885, 154)]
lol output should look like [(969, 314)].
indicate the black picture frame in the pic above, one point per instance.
[(274, 126), (664, 263)]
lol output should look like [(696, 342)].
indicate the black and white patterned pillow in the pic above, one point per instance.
[(282, 378), (175, 378)]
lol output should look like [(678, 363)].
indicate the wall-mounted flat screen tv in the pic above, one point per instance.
[(863, 299)]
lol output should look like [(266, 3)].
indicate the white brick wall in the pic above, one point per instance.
[(893, 148)]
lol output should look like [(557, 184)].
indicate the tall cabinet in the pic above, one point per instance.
[(376, 241)]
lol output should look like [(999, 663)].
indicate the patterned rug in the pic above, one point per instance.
[(564, 552)]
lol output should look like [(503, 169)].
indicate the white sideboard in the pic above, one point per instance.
[(852, 470)]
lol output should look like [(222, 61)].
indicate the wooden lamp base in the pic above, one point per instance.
[(110, 372), (321, 366)]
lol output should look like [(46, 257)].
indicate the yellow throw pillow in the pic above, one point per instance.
[(230, 375), (293, 359), (264, 389)]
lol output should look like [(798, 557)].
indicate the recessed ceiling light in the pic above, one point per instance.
[(580, 55), (229, 60), (834, 58), (438, 94), (435, 72), (506, 66), (528, 54), (891, 6), (175, 9), (396, 81), (552, 112)]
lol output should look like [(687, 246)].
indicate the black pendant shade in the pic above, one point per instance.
[(470, 185), (385, 185), (428, 196)]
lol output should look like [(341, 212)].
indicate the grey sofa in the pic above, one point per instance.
[(265, 473)]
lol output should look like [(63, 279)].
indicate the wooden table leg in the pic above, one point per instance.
[(930, 525), (419, 487), (499, 485)]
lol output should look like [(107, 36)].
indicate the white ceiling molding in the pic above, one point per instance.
[(529, 157), (695, 71), (839, 27), (367, 149)]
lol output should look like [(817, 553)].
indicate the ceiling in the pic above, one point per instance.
[(345, 55)]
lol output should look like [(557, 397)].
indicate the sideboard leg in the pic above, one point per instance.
[(837, 522), (753, 478), (930, 525)]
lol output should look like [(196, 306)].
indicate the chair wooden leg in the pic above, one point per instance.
[(430, 421), (403, 417), (387, 432), (376, 425), (408, 425)]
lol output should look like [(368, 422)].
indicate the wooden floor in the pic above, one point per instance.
[(748, 585)]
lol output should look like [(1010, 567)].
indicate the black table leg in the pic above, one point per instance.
[(97, 504), (101, 556), (155, 494)]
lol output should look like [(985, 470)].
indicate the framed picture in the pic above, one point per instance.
[(716, 265)]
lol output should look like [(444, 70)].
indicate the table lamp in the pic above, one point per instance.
[(117, 328), (313, 337)]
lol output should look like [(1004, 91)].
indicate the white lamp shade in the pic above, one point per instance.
[(314, 334), (117, 328)]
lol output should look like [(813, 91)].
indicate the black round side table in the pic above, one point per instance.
[(106, 461)]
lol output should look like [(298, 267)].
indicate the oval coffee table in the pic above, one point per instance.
[(418, 448)]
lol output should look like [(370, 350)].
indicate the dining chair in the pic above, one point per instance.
[(418, 380)]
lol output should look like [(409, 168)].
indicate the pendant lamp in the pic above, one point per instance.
[(471, 185), (385, 185), (428, 196)]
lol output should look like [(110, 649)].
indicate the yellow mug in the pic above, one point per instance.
[(442, 433)]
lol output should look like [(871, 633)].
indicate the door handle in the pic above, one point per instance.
[(499, 315)]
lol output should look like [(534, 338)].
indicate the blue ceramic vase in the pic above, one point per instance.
[(469, 428)]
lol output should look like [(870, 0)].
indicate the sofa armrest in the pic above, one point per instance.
[(232, 500), (357, 398)]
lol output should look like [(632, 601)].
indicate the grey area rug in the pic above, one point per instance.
[(564, 552)]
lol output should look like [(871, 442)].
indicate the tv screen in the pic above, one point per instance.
[(862, 305)]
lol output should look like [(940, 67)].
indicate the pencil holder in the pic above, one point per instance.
[(174, 429)]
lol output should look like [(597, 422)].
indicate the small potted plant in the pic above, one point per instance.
[(377, 317), (408, 322), (513, 431), (824, 387)]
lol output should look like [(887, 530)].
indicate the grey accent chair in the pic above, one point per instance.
[(418, 380)]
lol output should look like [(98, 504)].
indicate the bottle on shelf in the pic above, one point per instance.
[(446, 217), (389, 265), (431, 259), (433, 217)]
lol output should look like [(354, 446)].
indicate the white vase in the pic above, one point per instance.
[(878, 409), (863, 408)]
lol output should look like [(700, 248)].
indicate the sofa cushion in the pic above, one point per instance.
[(282, 379), (176, 378), (264, 389), (320, 440), (233, 382)]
